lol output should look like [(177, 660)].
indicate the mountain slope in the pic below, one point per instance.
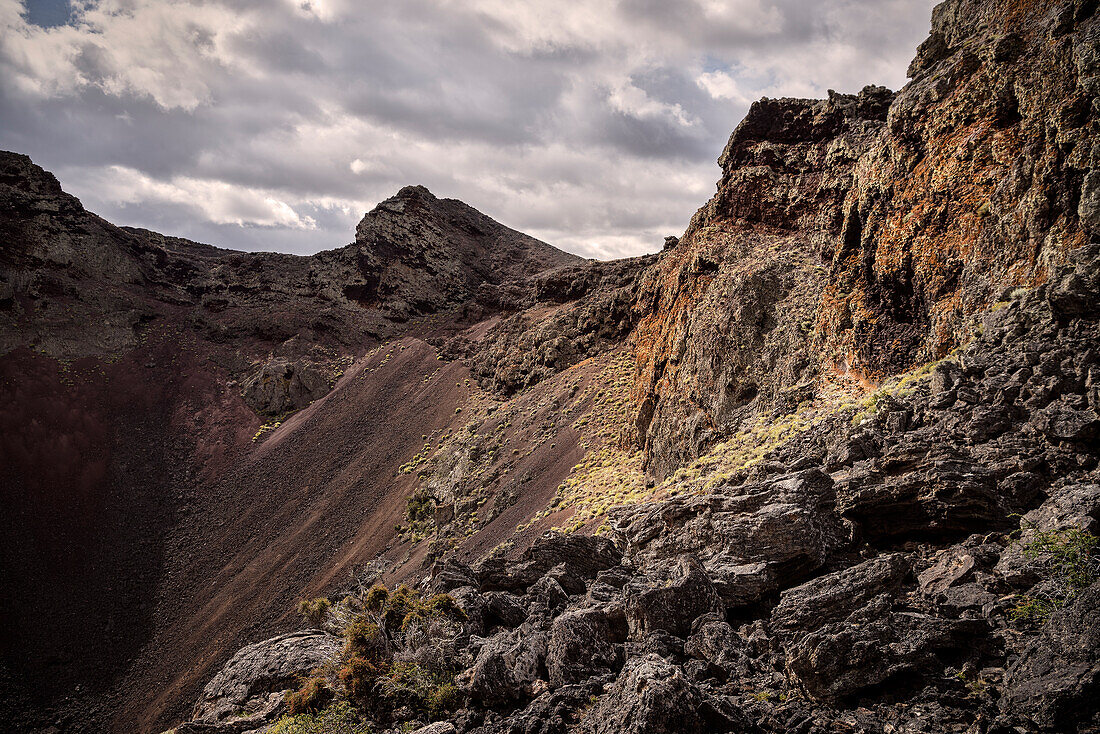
[(136, 368), (786, 456)]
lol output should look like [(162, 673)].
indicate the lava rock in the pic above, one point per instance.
[(1056, 682)]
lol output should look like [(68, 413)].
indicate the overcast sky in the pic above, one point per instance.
[(275, 124)]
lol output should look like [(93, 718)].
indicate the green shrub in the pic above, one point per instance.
[(315, 611), (1067, 563), (339, 718), (420, 506)]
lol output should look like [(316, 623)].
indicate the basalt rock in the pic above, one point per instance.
[(249, 690), (580, 557), (652, 696), (279, 386), (1056, 683), (751, 539)]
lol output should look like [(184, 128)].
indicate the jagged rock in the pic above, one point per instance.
[(581, 557), (258, 676), (671, 606), (506, 666), (505, 609), (553, 712), (1066, 420), (751, 539), (439, 727), (1077, 293), (833, 597), (548, 591), (451, 574), (652, 696), (872, 646), (920, 485), (490, 679), (724, 651), (952, 566), (1056, 682), (582, 644), (280, 386), (474, 606)]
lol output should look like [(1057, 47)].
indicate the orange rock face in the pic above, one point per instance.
[(863, 233)]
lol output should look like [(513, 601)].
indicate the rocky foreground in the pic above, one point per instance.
[(879, 574)]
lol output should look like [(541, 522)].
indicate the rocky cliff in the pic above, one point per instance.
[(826, 463), (864, 233)]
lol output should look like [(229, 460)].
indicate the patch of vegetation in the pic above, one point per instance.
[(339, 718), (315, 611), (310, 698), (399, 651), (1067, 563), (420, 506)]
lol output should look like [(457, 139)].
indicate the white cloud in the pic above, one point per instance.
[(215, 201), (592, 124)]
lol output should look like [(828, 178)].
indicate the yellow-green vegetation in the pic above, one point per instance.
[(900, 386), (315, 611), (399, 651), (266, 428), (606, 478), (1067, 562), (339, 718), (609, 475)]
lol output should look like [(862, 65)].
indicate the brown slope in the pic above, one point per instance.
[(255, 538)]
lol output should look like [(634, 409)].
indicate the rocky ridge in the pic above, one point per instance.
[(864, 233)]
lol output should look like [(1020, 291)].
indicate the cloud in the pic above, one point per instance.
[(274, 124)]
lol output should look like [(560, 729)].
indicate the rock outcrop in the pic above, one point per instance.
[(864, 232)]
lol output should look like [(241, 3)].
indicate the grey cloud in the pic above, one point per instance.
[(534, 131)]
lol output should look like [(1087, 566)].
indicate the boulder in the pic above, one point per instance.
[(580, 557), (256, 679), (582, 644), (921, 485), (874, 645), (725, 652), (439, 727), (1056, 682), (673, 605), (752, 539), (653, 696), (833, 597), (279, 386)]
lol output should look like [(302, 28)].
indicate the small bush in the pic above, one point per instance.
[(1066, 561), (339, 718), (359, 676), (310, 698), (399, 651), (315, 611), (420, 506)]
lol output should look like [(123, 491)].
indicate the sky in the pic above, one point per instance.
[(594, 125)]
